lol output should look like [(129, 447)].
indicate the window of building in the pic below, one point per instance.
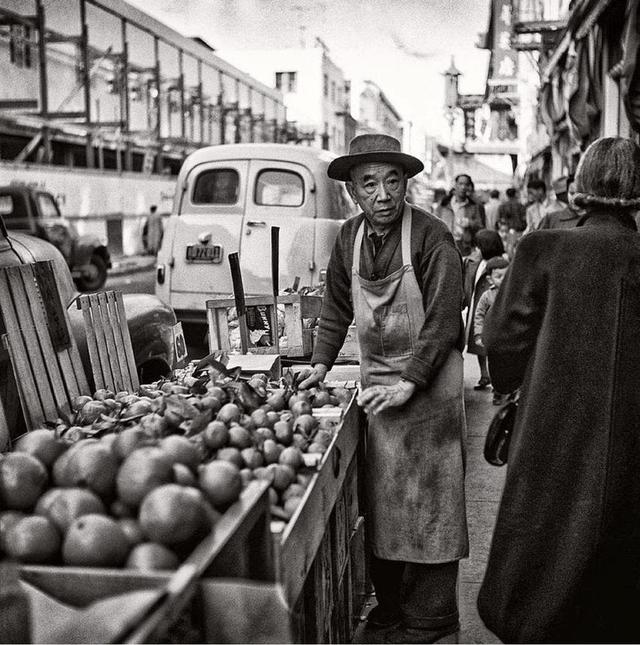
[(279, 188), (325, 87), (220, 186), (333, 91), (287, 81)]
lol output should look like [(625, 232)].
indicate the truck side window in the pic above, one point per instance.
[(279, 188), (220, 186), (47, 206), (14, 212)]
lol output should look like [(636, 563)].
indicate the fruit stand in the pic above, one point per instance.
[(187, 510)]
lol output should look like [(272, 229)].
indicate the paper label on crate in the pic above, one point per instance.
[(179, 343)]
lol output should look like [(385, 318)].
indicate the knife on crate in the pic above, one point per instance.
[(238, 294)]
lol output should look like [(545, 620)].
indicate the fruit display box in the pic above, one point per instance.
[(319, 553), (240, 549)]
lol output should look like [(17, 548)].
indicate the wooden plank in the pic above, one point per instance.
[(293, 325), (25, 328), (214, 341), (116, 331), (38, 306), (357, 569), (55, 312), (92, 343), (101, 339), (18, 356), (128, 347), (111, 355), (304, 533)]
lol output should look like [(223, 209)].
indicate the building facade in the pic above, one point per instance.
[(586, 54), (316, 95), (376, 113), (100, 84)]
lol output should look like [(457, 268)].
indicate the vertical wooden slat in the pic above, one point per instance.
[(128, 348), (71, 356), (101, 340), (113, 319), (25, 326), (92, 343), (114, 352), (214, 343), (30, 297), (28, 391)]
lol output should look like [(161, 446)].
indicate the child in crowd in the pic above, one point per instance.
[(495, 269)]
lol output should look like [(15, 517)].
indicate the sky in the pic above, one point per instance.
[(402, 45)]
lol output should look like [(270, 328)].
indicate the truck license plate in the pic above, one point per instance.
[(204, 253)]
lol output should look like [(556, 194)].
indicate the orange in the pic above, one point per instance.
[(95, 541), (33, 540), (172, 514), (63, 505), (87, 464), (181, 451), (7, 520), (41, 444), (142, 471), (221, 482), (23, 478)]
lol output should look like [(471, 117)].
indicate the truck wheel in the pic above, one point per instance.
[(95, 277)]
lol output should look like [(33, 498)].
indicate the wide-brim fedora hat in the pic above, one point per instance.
[(368, 148)]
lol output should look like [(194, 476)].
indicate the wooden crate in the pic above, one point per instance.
[(242, 549), (297, 312), (314, 559)]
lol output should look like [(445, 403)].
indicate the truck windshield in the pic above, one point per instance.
[(47, 206)]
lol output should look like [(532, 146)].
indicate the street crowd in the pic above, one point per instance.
[(548, 298)]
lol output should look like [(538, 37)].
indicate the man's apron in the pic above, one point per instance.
[(415, 456)]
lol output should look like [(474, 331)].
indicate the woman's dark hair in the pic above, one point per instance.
[(608, 175), (511, 192), (455, 179), (489, 243)]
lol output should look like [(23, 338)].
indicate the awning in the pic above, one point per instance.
[(584, 15)]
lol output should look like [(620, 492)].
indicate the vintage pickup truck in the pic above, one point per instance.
[(150, 321), (36, 212)]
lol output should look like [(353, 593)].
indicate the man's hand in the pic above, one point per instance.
[(317, 375), (379, 397)]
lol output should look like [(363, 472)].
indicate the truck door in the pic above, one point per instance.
[(279, 194), (207, 229)]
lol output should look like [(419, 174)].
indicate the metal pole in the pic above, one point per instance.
[(200, 101), (183, 132), (158, 103), (84, 44), (223, 115), (44, 89)]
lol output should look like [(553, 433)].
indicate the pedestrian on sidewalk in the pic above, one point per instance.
[(396, 268), (491, 209), (462, 213), (564, 564), (476, 282), (152, 232), (495, 270)]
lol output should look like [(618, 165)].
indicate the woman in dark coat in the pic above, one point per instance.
[(564, 564), (476, 282)]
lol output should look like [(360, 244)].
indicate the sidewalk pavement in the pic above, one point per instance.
[(131, 264)]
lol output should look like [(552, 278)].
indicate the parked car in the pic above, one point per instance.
[(227, 199), (36, 212), (150, 321)]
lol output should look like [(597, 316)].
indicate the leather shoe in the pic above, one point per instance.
[(482, 384), (379, 619), (412, 635)]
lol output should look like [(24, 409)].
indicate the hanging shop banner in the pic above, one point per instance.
[(504, 58)]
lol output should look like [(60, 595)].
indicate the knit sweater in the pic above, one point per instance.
[(438, 268)]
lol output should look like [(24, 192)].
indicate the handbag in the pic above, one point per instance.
[(496, 444)]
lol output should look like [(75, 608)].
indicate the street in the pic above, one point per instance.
[(133, 282)]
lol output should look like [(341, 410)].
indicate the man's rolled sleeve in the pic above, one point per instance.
[(442, 296)]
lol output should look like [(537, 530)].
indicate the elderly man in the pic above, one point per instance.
[(397, 269)]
